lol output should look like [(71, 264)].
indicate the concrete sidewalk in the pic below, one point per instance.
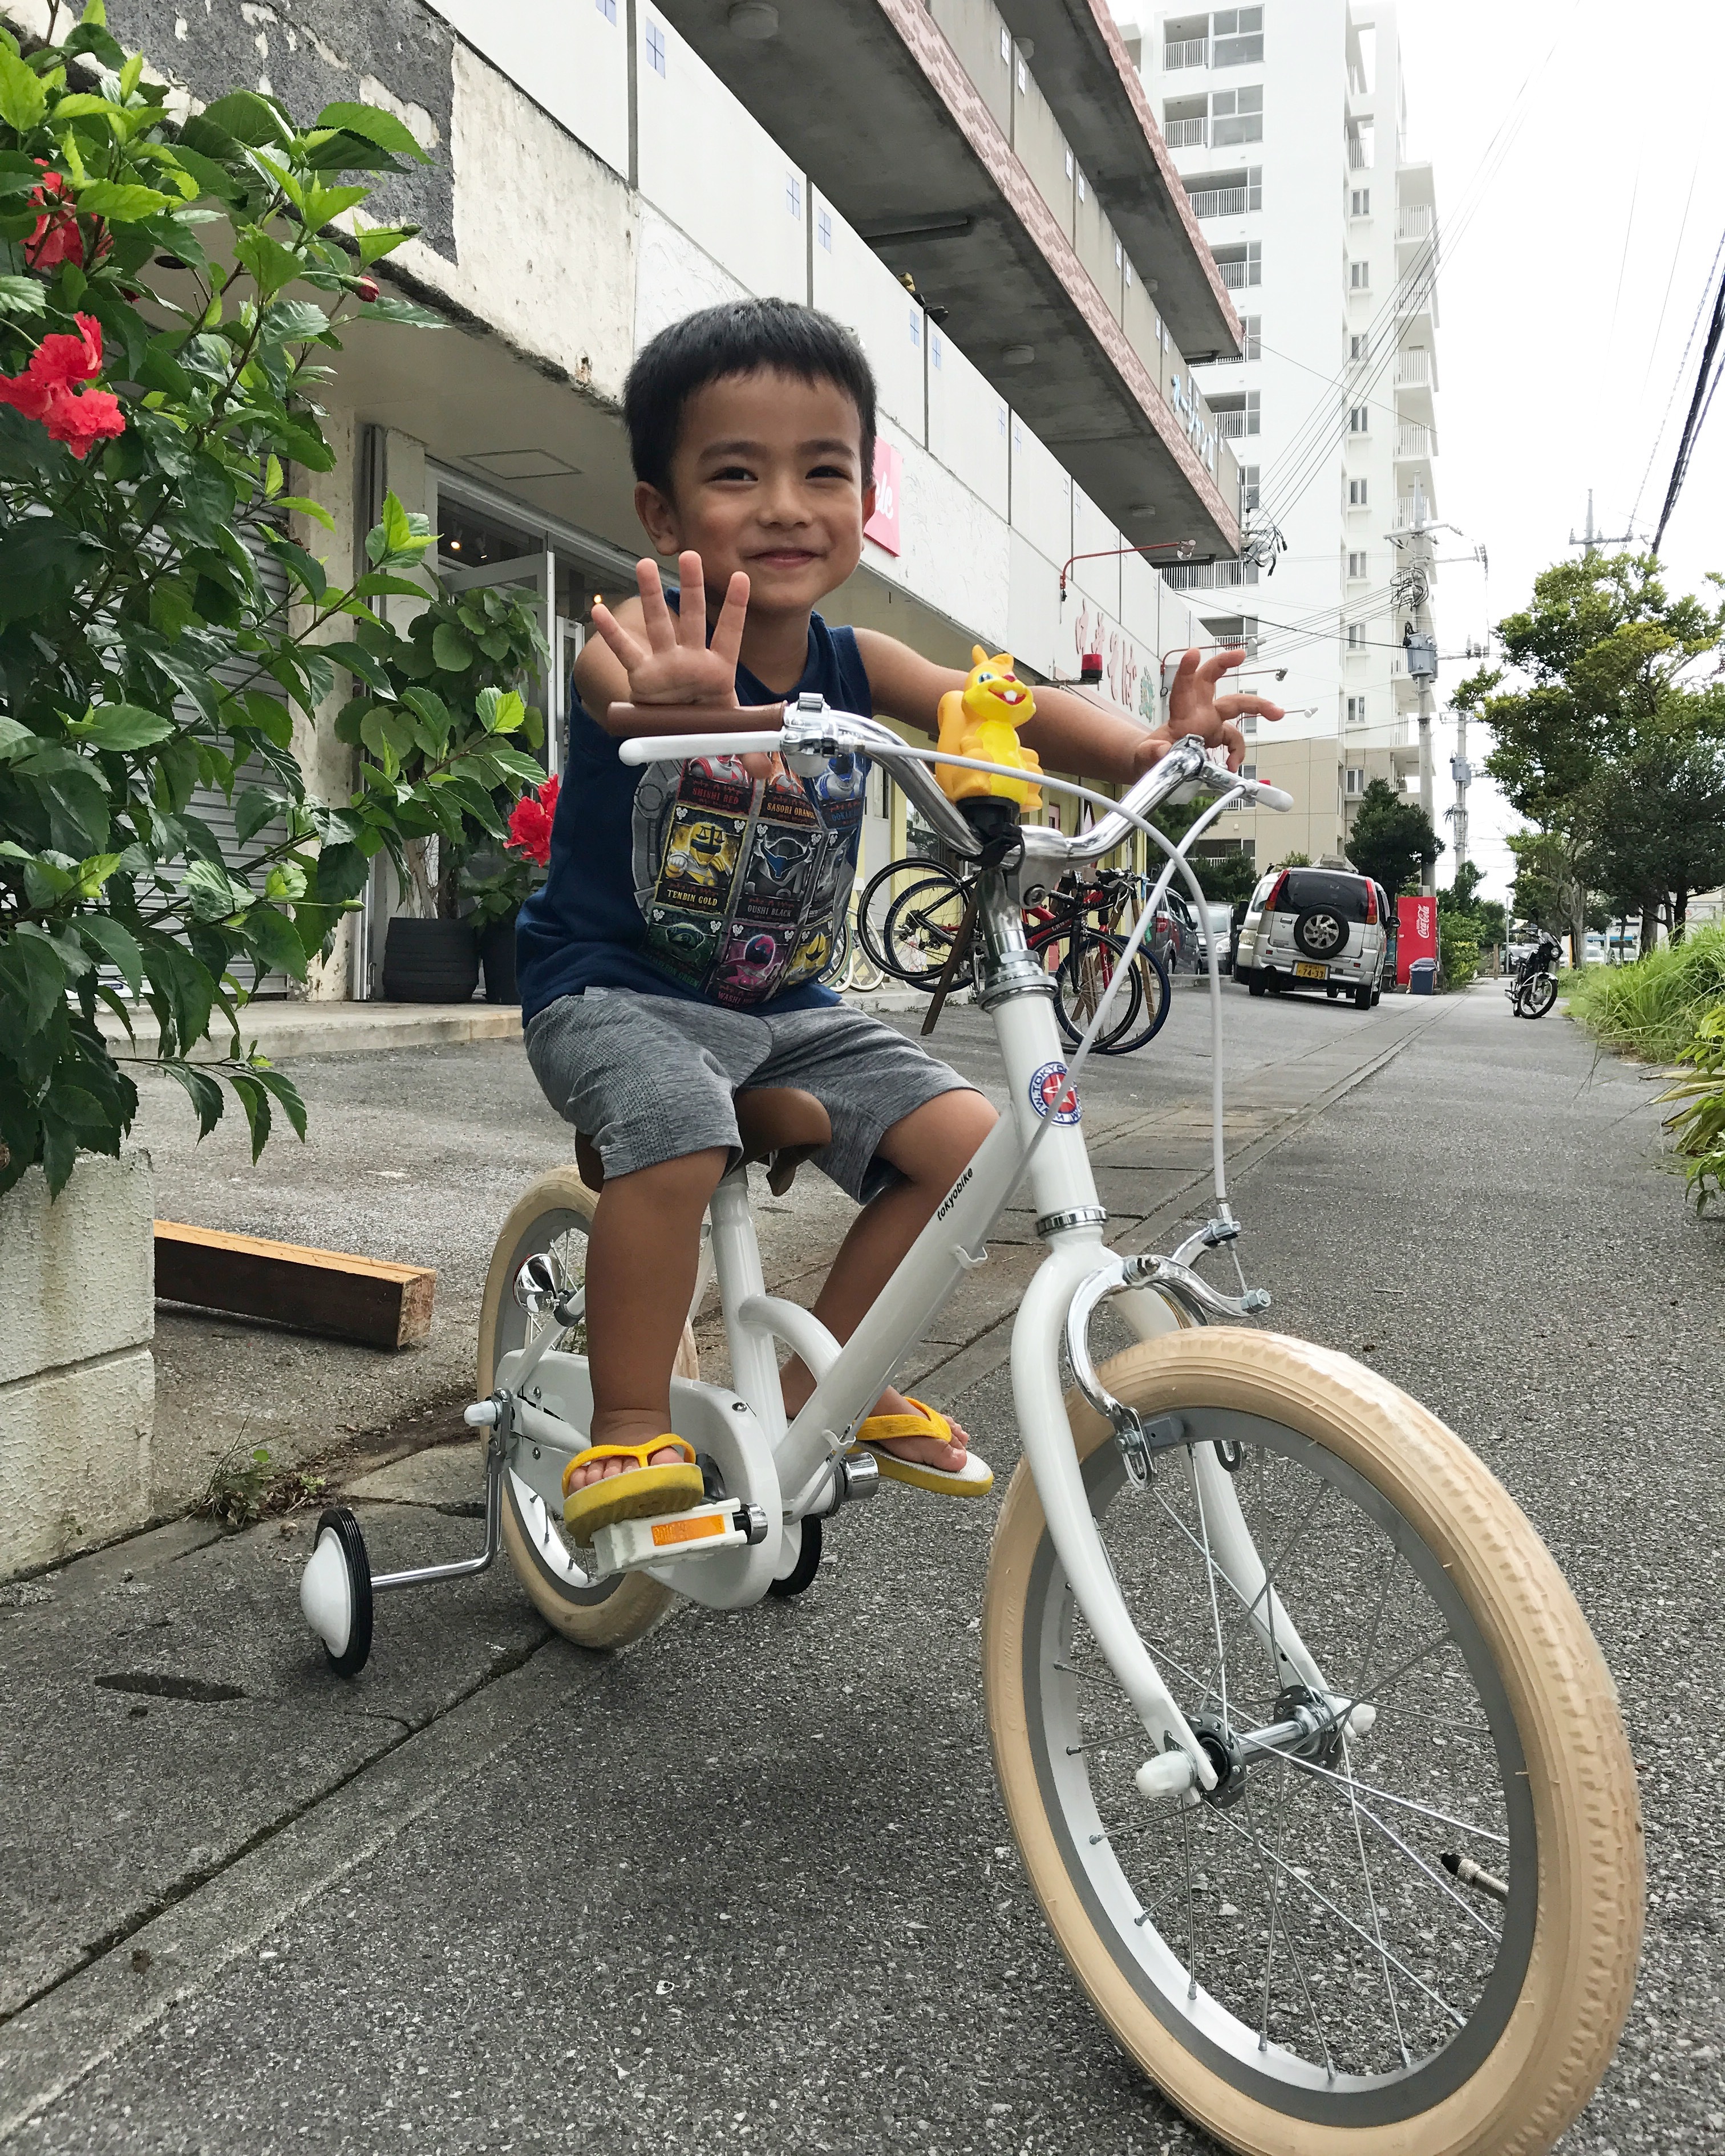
[(497, 1893)]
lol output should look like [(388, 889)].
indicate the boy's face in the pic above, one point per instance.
[(767, 478)]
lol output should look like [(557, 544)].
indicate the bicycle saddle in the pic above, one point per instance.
[(780, 1125)]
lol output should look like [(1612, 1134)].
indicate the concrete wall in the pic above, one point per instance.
[(77, 1381)]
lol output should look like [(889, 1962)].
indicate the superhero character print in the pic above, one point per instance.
[(741, 885)]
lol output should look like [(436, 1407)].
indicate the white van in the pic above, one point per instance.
[(1311, 928)]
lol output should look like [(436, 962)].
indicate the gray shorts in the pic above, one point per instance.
[(650, 1078)]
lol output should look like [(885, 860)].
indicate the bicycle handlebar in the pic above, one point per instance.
[(811, 729)]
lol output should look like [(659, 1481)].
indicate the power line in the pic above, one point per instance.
[(1698, 404), (1701, 306)]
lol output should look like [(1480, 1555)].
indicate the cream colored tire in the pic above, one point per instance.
[(621, 1610), (1511, 2081)]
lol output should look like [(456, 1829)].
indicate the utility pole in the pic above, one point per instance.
[(1419, 645), (1591, 539)]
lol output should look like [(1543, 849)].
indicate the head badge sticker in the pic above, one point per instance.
[(1051, 1096)]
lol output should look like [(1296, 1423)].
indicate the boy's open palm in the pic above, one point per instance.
[(1194, 707), (666, 655)]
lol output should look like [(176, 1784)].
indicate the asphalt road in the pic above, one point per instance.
[(748, 1885)]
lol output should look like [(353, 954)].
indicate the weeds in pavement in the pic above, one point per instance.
[(239, 1485), (1653, 1009)]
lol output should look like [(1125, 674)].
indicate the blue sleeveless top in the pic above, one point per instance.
[(693, 879)]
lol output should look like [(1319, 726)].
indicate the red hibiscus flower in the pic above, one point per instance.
[(50, 390), (58, 236), (529, 823)]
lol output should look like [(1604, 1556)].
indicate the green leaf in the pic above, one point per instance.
[(22, 295), (372, 126), (342, 874), (212, 178), (255, 807), (271, 264), (450, 649), (14, 739), (206, 1095), (294, 322), (213, 893), (255, 1100), (501, 710), (271, 718), (314, 509), (359, 661), (286, 1093), (248, 119), (23, 98), (114, 946), (321, 203), (308, 572), (390, 307), (124, 727), (40, 561), (32, 979), (376, 241), (122, 203), (274, 940)]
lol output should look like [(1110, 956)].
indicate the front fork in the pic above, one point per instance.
[(1075, 1271)]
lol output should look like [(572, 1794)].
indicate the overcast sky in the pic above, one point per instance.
[(1568, 285)]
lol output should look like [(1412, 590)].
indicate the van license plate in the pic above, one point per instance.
[(1312, 972)]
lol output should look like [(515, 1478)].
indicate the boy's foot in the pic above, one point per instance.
[(932, 1450), (580, 1474), (921, 1447), (630, 1481)]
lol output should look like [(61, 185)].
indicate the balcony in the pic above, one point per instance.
[(1189, 52), (1414, 368), (1220, 202), (954, 207), (1237, 275), (1413, 442), (1417, 221), (1187, 133)]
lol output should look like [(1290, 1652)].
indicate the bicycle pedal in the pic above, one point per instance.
[(628, 1545)]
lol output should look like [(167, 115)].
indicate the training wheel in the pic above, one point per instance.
[(801, 1574), (335, 1591)]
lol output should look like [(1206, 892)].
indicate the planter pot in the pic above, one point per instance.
[(429, 962), (497, 956), (77, 1379)]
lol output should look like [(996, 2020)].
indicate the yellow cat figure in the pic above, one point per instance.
[(982, 719)]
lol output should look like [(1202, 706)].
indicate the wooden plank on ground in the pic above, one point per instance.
[(350, 1298)]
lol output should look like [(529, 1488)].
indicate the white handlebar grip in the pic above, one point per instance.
[(1272, 797), (674, 748)]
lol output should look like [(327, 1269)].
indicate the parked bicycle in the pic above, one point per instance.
[(912, 915), (1313, 1762)]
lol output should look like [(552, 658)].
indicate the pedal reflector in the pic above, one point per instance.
[(688, 1530)]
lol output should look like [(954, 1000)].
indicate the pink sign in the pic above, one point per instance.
[(882, 527), (1416, 934)]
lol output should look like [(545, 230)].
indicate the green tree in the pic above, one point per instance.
[(1392, 839), (1226, 878), (195, 267), (1605, 736)]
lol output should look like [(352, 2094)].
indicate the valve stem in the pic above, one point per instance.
[(1472, 1875)]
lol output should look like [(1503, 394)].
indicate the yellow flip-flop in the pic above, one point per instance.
[(975, 1479), (639, 1493)]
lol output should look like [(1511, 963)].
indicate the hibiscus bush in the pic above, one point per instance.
[(498, 892), (172, 291)]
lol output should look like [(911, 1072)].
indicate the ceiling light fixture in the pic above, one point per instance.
[(753, 21)]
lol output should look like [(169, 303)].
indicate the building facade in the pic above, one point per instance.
[(1287, 121), (986, 200)]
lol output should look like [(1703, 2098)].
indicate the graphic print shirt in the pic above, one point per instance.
[(693, 879)]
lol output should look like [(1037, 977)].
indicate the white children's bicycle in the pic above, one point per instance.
[(1314, 1764)]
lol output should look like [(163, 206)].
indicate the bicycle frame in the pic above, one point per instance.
[(794, 1472)]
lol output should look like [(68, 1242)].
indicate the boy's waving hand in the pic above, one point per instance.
[(665, 656), (1194, 708)]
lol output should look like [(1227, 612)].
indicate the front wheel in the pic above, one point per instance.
[(1538, 996), (552, 1220), (1414, 1939)]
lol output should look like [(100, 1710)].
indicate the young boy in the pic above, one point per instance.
[(668, 961)]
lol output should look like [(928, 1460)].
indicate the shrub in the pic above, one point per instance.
[(1699, 1129), (1653, 1008), (1458, 953), (169, 294)]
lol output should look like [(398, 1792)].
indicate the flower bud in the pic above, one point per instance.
[(367, 288)]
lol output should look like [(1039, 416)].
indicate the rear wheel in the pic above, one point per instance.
[(886, 885), (1159, 1000), (1257, 983), (1417, 1939), (552, 1220), (1364, 997)]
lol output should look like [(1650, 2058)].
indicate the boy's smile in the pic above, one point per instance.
[(767, 478)]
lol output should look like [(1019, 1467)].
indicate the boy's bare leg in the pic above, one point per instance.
[(641, 1258), (929, 1147)]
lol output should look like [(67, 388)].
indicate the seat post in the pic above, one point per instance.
[(737, 1261)]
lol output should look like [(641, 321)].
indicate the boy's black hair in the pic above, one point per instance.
[(738, 336)]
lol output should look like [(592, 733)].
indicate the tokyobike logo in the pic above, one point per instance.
[(953, 1196), (1051, 1096)]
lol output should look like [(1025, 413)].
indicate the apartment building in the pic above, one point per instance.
[(990, 206), (1287, 122)]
